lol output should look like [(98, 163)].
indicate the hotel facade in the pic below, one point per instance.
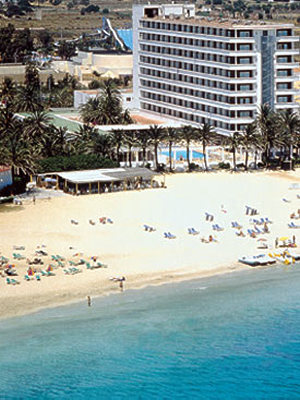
[(216, 71)]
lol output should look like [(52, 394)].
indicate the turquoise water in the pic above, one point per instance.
[(182, 154), (228, 337)]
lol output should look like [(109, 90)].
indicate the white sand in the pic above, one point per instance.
[(144, 258)]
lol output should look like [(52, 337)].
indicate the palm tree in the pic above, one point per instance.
[(17, 151), (101, 144), (234, 141), (143, 140), (268, 129), (83, 139), (205, 135), (171, 137), (156, 135), (91, 111), (187, 133), (117, 139), (249, 140), (130, 141), (26, 100), (8, 91), (36, 125), (289, 127)]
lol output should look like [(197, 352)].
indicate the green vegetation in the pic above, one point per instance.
[(74, 163), (106, 108)]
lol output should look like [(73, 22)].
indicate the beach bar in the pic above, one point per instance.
[(101, 180)]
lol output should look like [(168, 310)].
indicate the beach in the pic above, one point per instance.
[(144, 258)]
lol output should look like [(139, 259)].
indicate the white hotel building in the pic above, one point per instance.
[(210, 70)]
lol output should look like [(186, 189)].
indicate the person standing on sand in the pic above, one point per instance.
[(121, 283), (89, 301), (276, 243), (33, 199)]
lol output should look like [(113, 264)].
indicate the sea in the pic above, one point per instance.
[(233, 336)]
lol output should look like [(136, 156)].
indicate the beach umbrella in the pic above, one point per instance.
[(262, 240), (284, 238)]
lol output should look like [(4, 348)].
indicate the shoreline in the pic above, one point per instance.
[(144, 258), (136, 285)]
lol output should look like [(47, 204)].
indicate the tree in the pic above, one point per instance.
[(234, 141), (28, 96), (268, 129), (117, 140), (16, 150), (171, 137), (106, 108), (66, 50), (188, 135), (156, 135), (46, 41), (27, 101), (289, 128), (130, 141), (249, 140), (205, 134), (36, 125), (8, 91), (144, 141)]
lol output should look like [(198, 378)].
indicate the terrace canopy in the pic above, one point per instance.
[(99, 180)]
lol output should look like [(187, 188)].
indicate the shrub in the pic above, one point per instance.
[(75, 163), (224, 165)]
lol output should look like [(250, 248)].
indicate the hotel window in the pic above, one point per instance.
[(282, 86), (244, 33), (283, 99), (244, 74), (284, 46), (244, 87), (282, 72), (282, 59), (243, 114), (244, 60), (244, 47), (244, 100), (283, 32)]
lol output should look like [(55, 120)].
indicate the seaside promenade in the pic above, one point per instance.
[(128, 249)]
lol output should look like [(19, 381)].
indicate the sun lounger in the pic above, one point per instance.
[(257, 230), (109, 221), (286, 200), (18, 256), (75, 270), (19, 247), (41, 253), (37, 277), (100, 265), (216, 227), (47, 273), (74, 222), (268, 221), (236, 225), (293, 226), (12, 281), (170, 236), (192, 231), (92, 222)]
